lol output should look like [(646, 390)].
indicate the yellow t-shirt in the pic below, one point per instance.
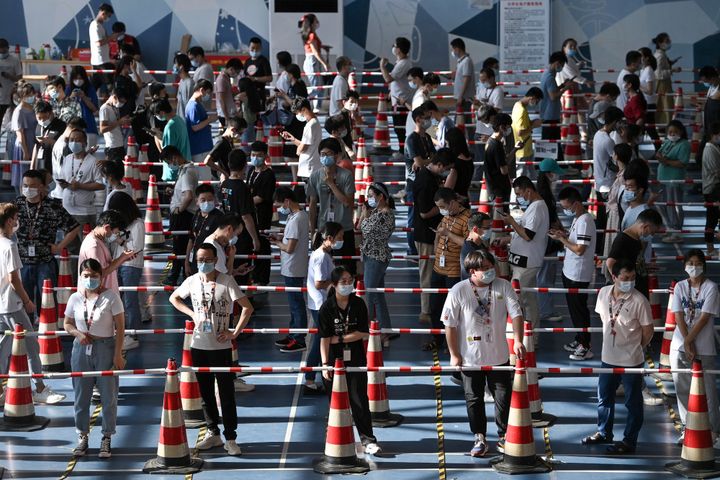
[(521, 121)]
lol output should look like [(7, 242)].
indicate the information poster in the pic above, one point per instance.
[(524, 38)]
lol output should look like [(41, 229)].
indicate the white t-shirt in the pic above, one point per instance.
[(623, 349), (481, 329), (145, 78), (86, 170), (339, 89), (204, 72), (310, 159), (127, 190), (99, 54), (442, 129), (493, 96), (418, 98), (113, 138), (400, 87), (703, 301), (217, 298), (58, 154), (580, 268), (647, 75), (134, 242), (295, 264), (622, 98), (10, 301), (187, 180), (603, 147), (99, 310), (12, 66), (465, 68), (531, 254), (571, 69), (283, 82), (221, 263), (321, 265)]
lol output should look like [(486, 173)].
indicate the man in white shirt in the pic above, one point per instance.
[(111, 123), (464, 74), (100, 45), (79, 179), (400, 91), (604, 169), (488, 92), (578, 267), (527, 243), (633, 62), (307, 147), (627, 330), (340, 85), (59, 151), (475, 317)]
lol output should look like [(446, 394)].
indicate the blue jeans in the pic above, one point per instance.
[(33, 277), (101, 358), (375, 278), (130, 277), (412, 250), (546, 278), (607, 385), (298, 312), (313, 358)]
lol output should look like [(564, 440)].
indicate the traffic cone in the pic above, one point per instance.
[(340, 454), (509, 332), (6, 173), (377, 388), (143, 160), (484, 206), (381, 136), (51, 354), (519, 456), (275, 147), (499, 252), (667, 338), (64, 74), (19, 412), (189, 388), (132, 148), (697, 459), (173, 453), (65, 279), (460, 119), (679, 104), (153, 221), (569, 113), (359, 186), (592, 204), (352, 81), (572, 149), (655, 307), (540, 419)]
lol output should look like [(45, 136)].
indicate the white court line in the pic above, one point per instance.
[(300, 379)]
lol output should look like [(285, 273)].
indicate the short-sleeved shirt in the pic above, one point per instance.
[(400, 87), (635, 108), (203, 227), (185, 90), (647, 75), (204, 72), (339, 89), (24, 119), (443, 126), (531, 254), (223, 93), (495, 159), (99, 312), (309, 160), (175, 134), (330, 209), (187, 180), (424, 189), (262, 184), (212, 303), (319, 269), (492, 96), (221, 151), (85, 170), (134, 241), (44, 154), (632, 312), (465, 68), (295, 264), (10, 65), (416, 145), (549, 109), (580, 268), (93, 247), (258, 67), (334, 321), (39, 223), (521, 121), (603, 148), (113, 138), (693, 302), (235, 197), (631, 215), (99, 54), (10, 301), (679, 151), (200, 141), (481, 323), (447, 252), (622, 98), (221, 264)]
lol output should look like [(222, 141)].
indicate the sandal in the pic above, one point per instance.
[(620, 448), (596, 438)]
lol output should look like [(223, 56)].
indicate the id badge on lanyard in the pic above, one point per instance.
[(31, 250), (347, 354), (88, 350)]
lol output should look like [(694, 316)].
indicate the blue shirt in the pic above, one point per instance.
[(549, 109), (87, 114), (200, 141)]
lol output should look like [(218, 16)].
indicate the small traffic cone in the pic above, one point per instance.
[(381, 137), (359, 186), (352, 81), (153, 221), (569, 113), (519, 456), (259, 131), (65, 279), (460, 119), (377, 388), (51, 354), (667, 338), (509, 332), (540, 419), (19, 412), (143, 161), (484, 206), (275, 146), (132, 148), (572, 149), (697, 459), (6, 173), (593, 204), (655, 308), (64, 74), (340, 454), (189, 388), (679, 105), (173, 453), (500, 252)]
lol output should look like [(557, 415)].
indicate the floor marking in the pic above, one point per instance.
[(674, 417), (300, 380), (73, 461), (194, 452), (437, 380)]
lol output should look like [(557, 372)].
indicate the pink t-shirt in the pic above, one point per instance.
[(92, 247)]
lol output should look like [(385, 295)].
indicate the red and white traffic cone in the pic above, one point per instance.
[(593, 203), (540, 419), (352, 81), (19, 412), (697, 459), (7, 173), (340, 456), (65, 279), (173, 453), (500, 252), (153, 221), (259, 131), (459, 119), (569, 113), (381, 136), (143, 160), (275, 147), (377, 388), (484, 206), (572, 149), (679, 103), (655, 308), (51, 354), (667, 338), (189, 388), (519, 456)]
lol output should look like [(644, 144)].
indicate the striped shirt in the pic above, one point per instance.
[(447, 252)]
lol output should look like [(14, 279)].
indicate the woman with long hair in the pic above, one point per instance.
[(314, 63), (80, 88), (663, 77), (24, 124), (647, 86)]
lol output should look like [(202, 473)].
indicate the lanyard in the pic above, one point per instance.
[(32, 221), (450, 227), (197, 230), (89, 316), (72, 167), (345, 319), (614, 314), (208, 307), (484, 307), (692, 307)]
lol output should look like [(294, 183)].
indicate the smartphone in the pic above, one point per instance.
[(61, 181), (39, 139)]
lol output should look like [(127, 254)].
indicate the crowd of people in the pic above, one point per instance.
[(66, 186)]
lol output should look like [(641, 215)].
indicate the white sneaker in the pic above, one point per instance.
[(232, 448), (47, 396), (372, 448), (209, 441), (129, 342), (681, 438), (488, 398), (242, 386), (581, 353), (650, 399)]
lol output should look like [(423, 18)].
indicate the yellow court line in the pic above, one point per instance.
[(437, 380), (73, 461)]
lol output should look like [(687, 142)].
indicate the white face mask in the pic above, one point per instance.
[(345, 290), (444, 212), (300, 117), (351, 107), (487, 276), (30, 193), (626, 286), (693, 271), (673, 138)]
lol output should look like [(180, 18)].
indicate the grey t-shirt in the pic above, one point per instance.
[(295, 264), (330, 208)]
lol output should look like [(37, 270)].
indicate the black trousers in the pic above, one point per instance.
[(359, 403), (579, 312), (712, 215), (226, 389), (500, 386), (116, 155), (180, 221), (399, 119), (601, 222), (348, 248), (437, 300), (261, 272)]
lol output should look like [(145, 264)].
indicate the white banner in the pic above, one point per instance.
[(546, 150), (524, 37)]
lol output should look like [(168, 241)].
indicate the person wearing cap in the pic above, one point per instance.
[(549, 173)]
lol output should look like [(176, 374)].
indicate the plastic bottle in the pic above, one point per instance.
[(41, 52)]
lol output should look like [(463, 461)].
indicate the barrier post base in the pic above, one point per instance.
[(330, 465), (158, 465), (386, 419), (543, 420), (694, 469), (33, 425), (514, 466)]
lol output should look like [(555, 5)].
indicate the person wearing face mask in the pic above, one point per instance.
[(81, 91), (24, 124), (125, 39), (40, 218), (217, 159), (224, 239), (59, 151), (223, 90), (577, 83), (202, 69), (337, 128), (293, 247), (257, 68), (80, 178), (578, 267), (175, 134), (262, 188), (204, 223), (497, 172), (663, 77), (352, 117), (440, 124), (51, 128), (711, 185), (487, 91), (400, 90), (344, 326), (422, 92), (307, 146), (314, 62), (636, 105), (479, 233), (10, 72), (475, 316), (111, 124), (522, 130), (95, 316), (627, 329), (213, 295), (100, 46), (186, 84), (695, 303), (605, 98), (622, 155), (711, 109), (633, 62), (674, 157), (463, 75), (113, 176), (634, 194), (199, 125), (64, 107), (461, 175), (128, 79), (550, 105), (340, 85)]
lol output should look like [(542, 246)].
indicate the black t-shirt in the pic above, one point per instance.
[(348, 125), (494, 161), (130, 87), (334, 321), (625, 247), (54, 130), (220, 152), (262, 184), (258, 67), (202, 227), (424, 189), (235, 197), (465, 169), (417, 145)]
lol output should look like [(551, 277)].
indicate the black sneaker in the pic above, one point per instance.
[(282, 342), (293, 346), (572, 346), (105, 451), (82, 446), (313, 390)]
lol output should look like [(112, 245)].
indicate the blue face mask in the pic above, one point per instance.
[(283, 211), (646, 238), (257, 161), (522, 201), (338, 244), (707, 84), (233, 240), (91, 283), (206, 98), (175, 70), (572, 53), (75, 147), (345, 290), (434, 122), (327, 161), (254, 54), (629, 196), (486, 236), (569, 213), (194, 63), (206, 267), (207, 207), (412, 84), (173, 167)]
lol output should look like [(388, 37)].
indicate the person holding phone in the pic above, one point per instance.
[(51, 128), (550, 105), (80, 177)]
